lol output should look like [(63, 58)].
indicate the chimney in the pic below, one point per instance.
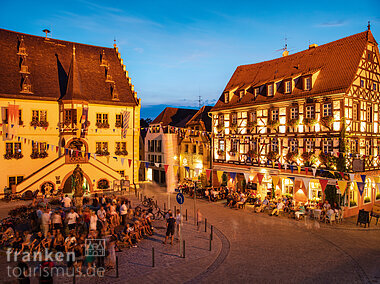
[(311, 46), (285, 53)]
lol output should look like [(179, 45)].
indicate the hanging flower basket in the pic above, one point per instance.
[(309, 122), (309, 158), (293, 122), (34, 155), (327, 121), (272, 156), (292, 157), (220, 127), (328, 160), (43, 124), (252, 154), (8, 156), (273, 124), (220, 152), (118, 124)]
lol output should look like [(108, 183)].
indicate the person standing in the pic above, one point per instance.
[(45, 222), (72, 219), (93, 221), (170, 226), (66, 202), (123, 212)]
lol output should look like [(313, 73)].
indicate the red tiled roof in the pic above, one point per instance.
[(174, 116), (202, 115), (49, 62), (337, 63)]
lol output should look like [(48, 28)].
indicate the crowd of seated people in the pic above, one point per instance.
[(65, 229)]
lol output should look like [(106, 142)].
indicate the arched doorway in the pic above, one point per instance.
[(68, 186)]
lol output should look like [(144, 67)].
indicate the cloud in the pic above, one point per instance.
[(332, 24), (139, 49)]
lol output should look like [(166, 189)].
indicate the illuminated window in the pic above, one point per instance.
[(293, 145), (309, 146), (252, 116), (327, 109), (327, 146), (310, 113), (233, 118), (221, 119), (274, 114), (369, 113), (307, 84), (288, 87), (368, 147), (270, 89), (367, 194), (241, 94), (274, 145), (221, 145), (234, 146), (353, 195), (226, 97), (356, 111), (294, 112), (200, 149), (39, 115)]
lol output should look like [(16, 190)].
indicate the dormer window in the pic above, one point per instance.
[(307, 84), (226, 97), (26, 86), (270, 89), (256, 92), (288, 87), (241, 94), (114, 93)]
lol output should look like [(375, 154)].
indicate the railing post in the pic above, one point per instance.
[(186, 214), (205, 224), (210, 243), (183, 248), (153, 264), (117, 267), (212, 232)]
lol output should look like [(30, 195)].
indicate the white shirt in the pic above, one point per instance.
[(45, 219), (93, 220), (72, 218), (56, 218), (66, 202), (280, 206), (178, 219), (123, 209)]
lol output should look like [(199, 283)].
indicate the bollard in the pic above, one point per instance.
[(74, 276), (164, 206), (210, 243), (205, 224), (186, 214), (152, 257), (212, 232), (183, 247), (175, 210), (117, 267)]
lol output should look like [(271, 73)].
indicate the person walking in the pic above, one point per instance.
[(170, 226), (123, 212)]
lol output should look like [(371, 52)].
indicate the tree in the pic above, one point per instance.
[(144, 122)]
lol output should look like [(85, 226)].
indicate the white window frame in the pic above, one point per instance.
[(327, 146), (307, 83), (270, 90), (294, 112), (310, 111), (275, 114), (288, 87), (327, 109)]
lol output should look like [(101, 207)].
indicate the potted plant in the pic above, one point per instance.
[(252, 154), (8, 156), (309, 159), (34, 123), (352, 203), (232, 153), (367, 199), (309, 121), (43, 154), (220, 152), (294, 122), (272, 156), (43, 124), (18, 155), (328, 160), (291, 157), (118, 124), (220, 127), (327, 121), (273, 124), (34, 155)]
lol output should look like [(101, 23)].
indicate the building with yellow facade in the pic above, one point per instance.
[(65, 104), (313, 114)]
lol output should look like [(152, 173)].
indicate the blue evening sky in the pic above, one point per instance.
[(177, 50)]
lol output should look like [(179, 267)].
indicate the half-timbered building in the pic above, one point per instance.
[(315, 111)]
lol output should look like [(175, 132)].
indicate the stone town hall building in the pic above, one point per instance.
[(62, 105)]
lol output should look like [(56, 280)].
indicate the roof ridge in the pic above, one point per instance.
[(60, 40), (305, 50)]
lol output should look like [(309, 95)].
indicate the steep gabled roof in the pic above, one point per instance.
[(177, 117), (335, 63), (202, 116), (49, 61)]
